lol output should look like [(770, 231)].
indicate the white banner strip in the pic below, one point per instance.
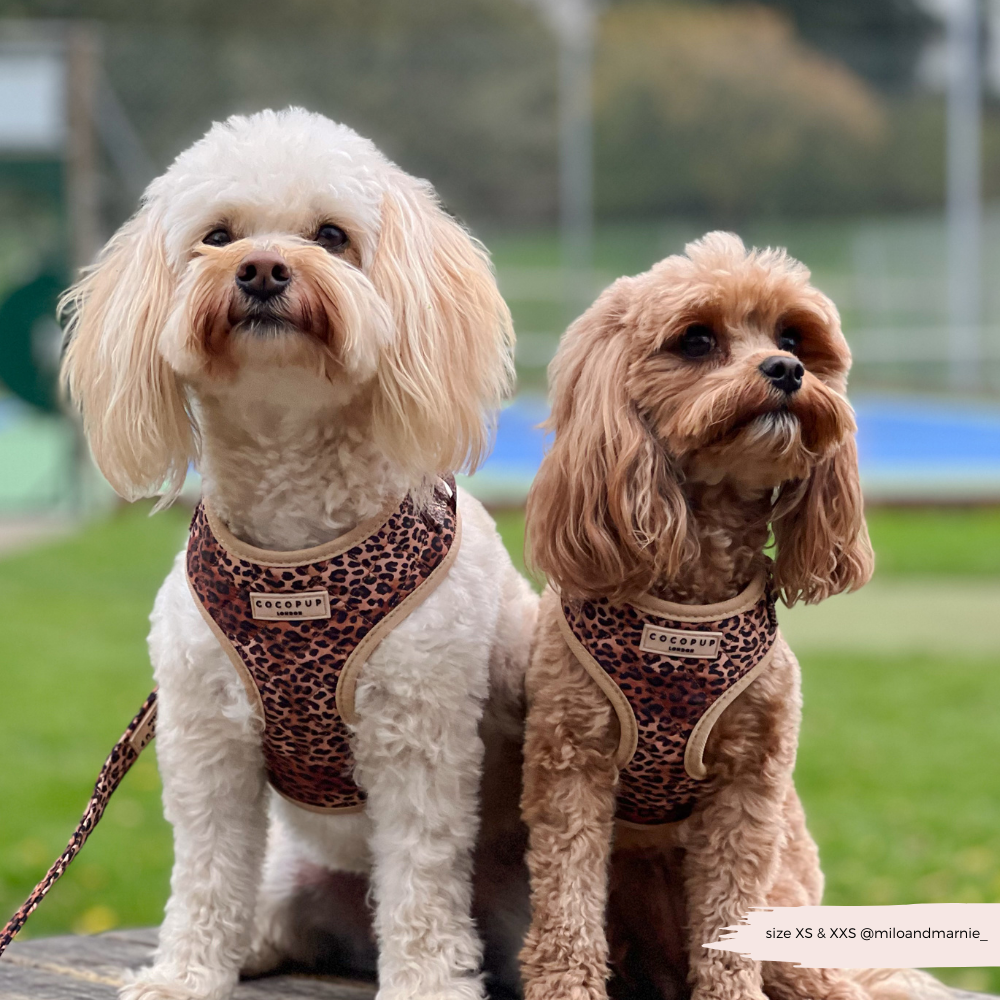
[(924, 935)]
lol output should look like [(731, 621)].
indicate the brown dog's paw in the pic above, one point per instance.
[(736, 986), (564, 987)]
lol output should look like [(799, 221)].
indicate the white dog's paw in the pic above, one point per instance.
[(158, 984), (461, 988), (155, 991)]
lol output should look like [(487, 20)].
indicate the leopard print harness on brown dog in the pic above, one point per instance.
[(669, 670), (298, 627)]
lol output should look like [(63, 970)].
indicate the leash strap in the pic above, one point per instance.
[(125, 753)]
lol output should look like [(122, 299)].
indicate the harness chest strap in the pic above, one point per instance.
[(669, 671), (299, 626)]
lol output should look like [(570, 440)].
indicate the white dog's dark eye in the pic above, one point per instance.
[(218, 237), (697, 341), (332, 238), (789, 340)]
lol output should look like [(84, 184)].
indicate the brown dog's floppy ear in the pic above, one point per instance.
[(605, 515), (133, 408), (820, 532), (449, 364)]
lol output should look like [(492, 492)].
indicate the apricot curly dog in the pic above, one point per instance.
[(698, 410)]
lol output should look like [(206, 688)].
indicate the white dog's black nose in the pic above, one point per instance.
[(784, 373), (263, 274)]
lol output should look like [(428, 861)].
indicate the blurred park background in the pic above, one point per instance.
[(580, 142)]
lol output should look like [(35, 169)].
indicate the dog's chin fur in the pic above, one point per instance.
[(372, 373), (761, 453)]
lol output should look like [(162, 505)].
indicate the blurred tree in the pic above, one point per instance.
[(882, 40), (707, 107), (460, 91), (724, 112)]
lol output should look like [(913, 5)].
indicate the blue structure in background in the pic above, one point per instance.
[(926, 448), (520, 443), (910, 449)]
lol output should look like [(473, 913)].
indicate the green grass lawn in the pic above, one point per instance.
[(897, 765), (946, 541), (73, 671), (897, 772)]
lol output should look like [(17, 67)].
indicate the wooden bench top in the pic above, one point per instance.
[(91, 968)]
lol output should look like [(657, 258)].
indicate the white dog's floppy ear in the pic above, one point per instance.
[(134, 412), (820, 532), (605, 514), (449, 365)]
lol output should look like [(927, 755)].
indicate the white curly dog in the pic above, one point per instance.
[(376, 367)]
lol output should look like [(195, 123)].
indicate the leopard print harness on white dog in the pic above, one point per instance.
[(298, 626)]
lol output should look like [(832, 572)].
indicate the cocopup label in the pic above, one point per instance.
[(277, 607), (674, 642)]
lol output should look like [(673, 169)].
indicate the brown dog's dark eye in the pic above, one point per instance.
[(789, 340), (697, 341), (332, 238), (218, 237)]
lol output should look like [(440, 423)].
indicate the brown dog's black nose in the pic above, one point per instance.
[(784, 373), (263, 274)]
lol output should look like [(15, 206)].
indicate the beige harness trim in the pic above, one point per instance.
[(348, 677), (694, 749), (694, 752), (704, 612), (347, 682), (297, 557), (256, 703), (629, 739), (324, 810)]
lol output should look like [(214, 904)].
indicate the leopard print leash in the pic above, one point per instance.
[(123, 755)]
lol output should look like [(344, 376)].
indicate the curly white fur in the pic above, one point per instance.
[(301, 431)]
